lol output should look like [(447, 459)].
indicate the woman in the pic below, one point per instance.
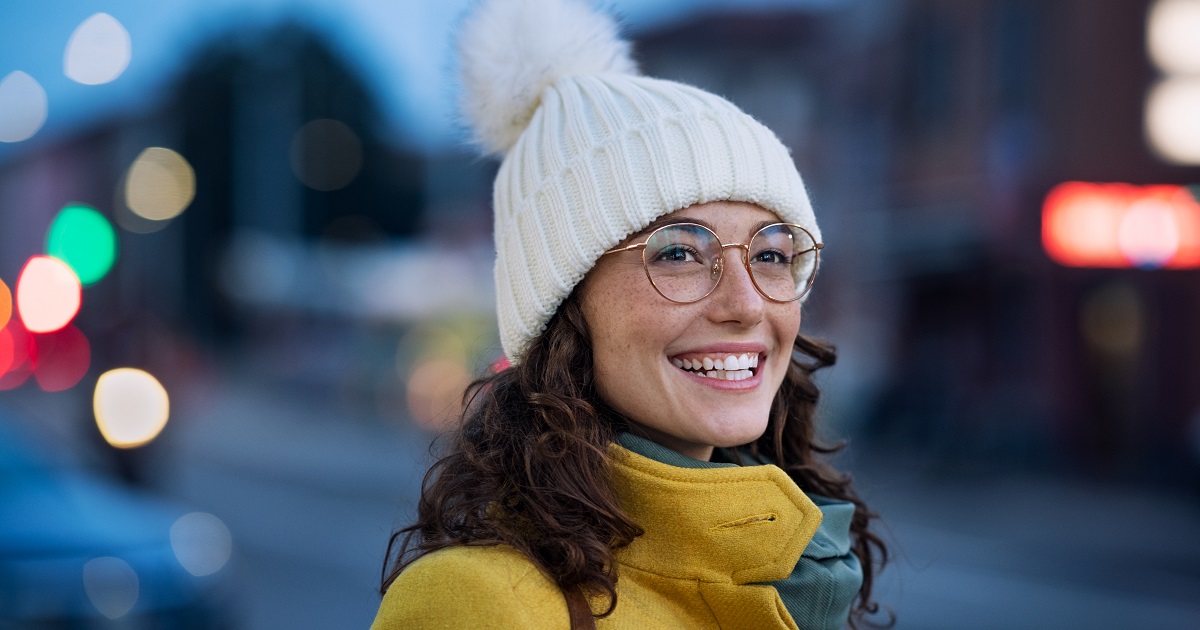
[(648, 460)]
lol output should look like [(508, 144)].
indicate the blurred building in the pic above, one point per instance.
[(998, 102), (290, 177), (930, 133), (287, 137)]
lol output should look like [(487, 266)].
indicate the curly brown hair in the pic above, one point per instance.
[(528, 467)]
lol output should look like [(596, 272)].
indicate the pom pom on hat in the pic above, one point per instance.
[(511, 50)]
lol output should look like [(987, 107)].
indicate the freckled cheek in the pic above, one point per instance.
[(788, 324)]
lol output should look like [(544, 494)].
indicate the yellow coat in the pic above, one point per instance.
[(712, 537)]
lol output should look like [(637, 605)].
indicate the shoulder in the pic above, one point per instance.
[(472, 587)]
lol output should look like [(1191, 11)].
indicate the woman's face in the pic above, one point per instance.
[(639, 338)]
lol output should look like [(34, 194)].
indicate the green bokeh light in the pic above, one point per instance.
[(84, 240)]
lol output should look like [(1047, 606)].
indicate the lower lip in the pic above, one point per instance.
[(723, 384)]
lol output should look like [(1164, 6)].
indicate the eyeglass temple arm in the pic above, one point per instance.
[(627, 248)]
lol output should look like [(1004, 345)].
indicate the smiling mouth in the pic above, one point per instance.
[(728, 367)]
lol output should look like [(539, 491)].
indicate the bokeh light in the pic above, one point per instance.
[(48, 294), (160, 184), (98, 51), (127, 219), (18, 345), (1121, 225), (63, 358), (201, 542), (131, 407), (23, 107), (1080, 226), (85, 240), (1173, 35), (1173, 119), (111, 585), (5, 305), (6, 350), (1112, 320), (1185, 211), (1148, 235), (326, 154), (429, 340), (435, 390)]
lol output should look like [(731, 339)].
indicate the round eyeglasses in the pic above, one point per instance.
[(684, 261)]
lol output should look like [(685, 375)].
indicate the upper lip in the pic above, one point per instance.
[(723, 349)]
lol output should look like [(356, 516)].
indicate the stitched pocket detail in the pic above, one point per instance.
[(769, 517)]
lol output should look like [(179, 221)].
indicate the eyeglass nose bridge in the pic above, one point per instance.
[(718, 267)]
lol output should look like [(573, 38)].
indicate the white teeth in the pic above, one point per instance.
[(702, 374), (731, 367), (738, 375)]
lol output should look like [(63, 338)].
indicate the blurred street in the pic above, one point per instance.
[(311, 496)]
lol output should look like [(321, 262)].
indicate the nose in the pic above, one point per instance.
[(735, 298)]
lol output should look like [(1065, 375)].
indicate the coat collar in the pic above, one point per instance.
[(735, 525)]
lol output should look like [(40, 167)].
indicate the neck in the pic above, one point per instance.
[(702, 452)]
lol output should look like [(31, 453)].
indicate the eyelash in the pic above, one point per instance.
[(663, 255)]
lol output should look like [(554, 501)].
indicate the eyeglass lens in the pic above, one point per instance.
[(684, 261)]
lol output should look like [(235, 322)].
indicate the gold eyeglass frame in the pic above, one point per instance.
[(720, 261)]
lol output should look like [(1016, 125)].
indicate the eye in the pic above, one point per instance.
[(770, 257), (676, 254)]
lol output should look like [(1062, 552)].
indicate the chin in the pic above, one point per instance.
[(740, 434)]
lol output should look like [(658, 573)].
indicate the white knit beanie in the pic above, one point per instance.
[(592, 152)]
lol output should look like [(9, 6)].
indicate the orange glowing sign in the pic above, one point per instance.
[(1121, 225)]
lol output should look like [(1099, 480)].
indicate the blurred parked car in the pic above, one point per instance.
[(80, 551)]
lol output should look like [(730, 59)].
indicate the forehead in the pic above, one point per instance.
[(729, 219)]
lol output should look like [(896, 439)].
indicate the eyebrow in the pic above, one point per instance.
[(674, 220)]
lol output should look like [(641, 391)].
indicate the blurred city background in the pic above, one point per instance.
[(245, 267)]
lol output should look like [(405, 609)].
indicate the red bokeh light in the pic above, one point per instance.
[(23, 354), (6, 350), (1121, 225), (63, 358)]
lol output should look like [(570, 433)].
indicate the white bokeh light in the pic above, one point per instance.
[(23, 107), (1173, 119), (201, 542), (111, 585), (1173, 36), (131, 407), (98, 51)]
